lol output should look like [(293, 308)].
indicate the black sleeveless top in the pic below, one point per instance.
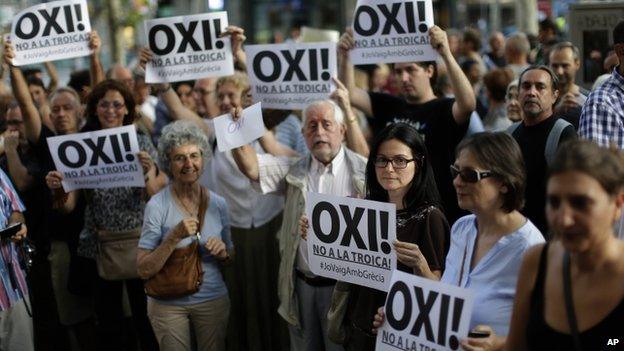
[(540, 336)]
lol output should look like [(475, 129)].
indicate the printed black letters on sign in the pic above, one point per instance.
[(403, 289), (335, 222), (82, 155), (277, 66)]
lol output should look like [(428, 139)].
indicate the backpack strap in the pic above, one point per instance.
[(552, 143)]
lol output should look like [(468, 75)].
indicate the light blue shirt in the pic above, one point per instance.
[(162, 214), (493, 280)]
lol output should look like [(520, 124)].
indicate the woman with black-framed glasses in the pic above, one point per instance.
[(398, 171), (487, 245)]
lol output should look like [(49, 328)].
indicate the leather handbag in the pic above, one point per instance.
[(117, 252), (182, 273)]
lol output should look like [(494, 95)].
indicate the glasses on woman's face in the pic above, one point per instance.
[(397, 162), (469, 175), (181, 158), (116, 105)]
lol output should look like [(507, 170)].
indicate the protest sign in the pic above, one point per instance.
[(51, 31), (392, 31), (424, 314), (101, 159), (291, 76), (188, 48), (231, 134), (351, 239)]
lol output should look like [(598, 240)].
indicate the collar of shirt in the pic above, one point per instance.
[(319, 168), (618, 77)]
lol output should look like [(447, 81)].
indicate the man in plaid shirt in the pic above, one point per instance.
[(602, 119)]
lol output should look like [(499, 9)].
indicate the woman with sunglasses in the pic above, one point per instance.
[(397, 171), (487, 245), (571, 290)]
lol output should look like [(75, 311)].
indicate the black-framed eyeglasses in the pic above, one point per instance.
[(397, 162), (470, 175)]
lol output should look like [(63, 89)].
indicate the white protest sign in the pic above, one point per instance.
[(51, 31), (351, 239), (188, 48), (231, 134), (392, 31), (101, 159), (424, 314), (291, 76)]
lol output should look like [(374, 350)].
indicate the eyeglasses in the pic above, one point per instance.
[(105, 105), (181, 158), (470, 175), (397, 162)]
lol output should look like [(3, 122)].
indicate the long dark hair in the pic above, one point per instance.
[(93, 123), (422, 188)]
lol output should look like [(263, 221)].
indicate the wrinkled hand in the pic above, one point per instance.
[(237, 38), (145, 56), (378, 321), (346, 42), (480, 344), (410, 255), (95, 43), (341, 97), (216, 247), (11, 140), (8, 54), (146, 161), (20, 235), (439, 40), (186, 227), (53, 180), (304, 225)]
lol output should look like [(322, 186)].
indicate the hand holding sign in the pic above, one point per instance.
[(233, 131), (439, 41), (237, 37), (95, 43), (304, 225), (346, 43), (410, 255), (9, 53), (54, 180)]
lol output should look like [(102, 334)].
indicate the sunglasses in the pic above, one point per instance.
[(469, 175), (397, 162)]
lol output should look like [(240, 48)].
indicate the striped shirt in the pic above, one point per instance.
[(12, 277), (602, 119)]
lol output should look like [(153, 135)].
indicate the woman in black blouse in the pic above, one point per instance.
[(398, 171)]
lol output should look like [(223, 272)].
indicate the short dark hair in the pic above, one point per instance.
[(473, 37), (618, 33), (93, 123), (31, 71), (605, 165), (553, 77), (422, 189), (488, 149), (79, 80), (176, 85), (496, 81), (547, 23), (32, 80)]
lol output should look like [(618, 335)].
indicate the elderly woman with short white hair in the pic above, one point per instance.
[(183, 221)]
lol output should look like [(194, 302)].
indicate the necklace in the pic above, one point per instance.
[(188, 211)]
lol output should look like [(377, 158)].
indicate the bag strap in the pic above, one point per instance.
[(552, 143), (567, 292), (203, 206)]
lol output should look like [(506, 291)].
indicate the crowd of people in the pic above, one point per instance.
[(507, 177)]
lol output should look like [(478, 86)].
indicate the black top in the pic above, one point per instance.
[(427, 228), (532, 141), (541, 336), (60, 226), (434, 120)]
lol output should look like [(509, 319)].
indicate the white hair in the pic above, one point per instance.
[(338, 114)]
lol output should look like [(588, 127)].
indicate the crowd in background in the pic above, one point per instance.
[(467, 147)]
